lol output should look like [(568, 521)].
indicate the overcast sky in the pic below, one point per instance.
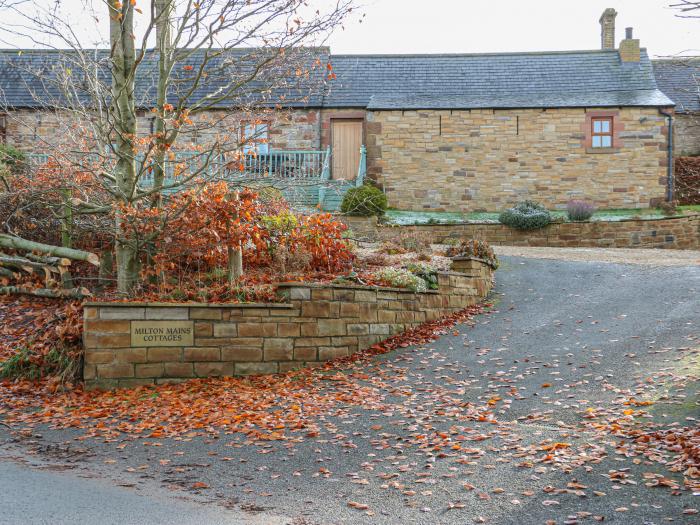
[(480, 26)]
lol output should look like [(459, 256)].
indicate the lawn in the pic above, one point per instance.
[(404, 217)]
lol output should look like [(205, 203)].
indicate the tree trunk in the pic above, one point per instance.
[(127, 267), (235, 264), (74, 293), (106, 269), (17, 243), (235, 255), (164, 43), (67, 219), (123, 55)]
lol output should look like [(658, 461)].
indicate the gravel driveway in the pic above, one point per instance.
[(511, 420)]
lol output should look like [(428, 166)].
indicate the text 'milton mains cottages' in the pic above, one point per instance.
[(162, 333)]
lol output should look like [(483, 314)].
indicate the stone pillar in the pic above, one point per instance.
[(607, 28), (629, 48)]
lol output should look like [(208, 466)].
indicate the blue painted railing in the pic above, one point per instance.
[(325, 177), (274, 165), (312, 169), (362, 169)]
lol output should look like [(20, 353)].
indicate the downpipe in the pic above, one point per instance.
[(669, 174)]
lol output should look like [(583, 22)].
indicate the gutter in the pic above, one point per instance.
[(669, 173)]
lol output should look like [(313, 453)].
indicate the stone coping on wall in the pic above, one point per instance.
[(648, 218), (131, 344), (338, 286), (681, 233), (165, 304), (476, 259)]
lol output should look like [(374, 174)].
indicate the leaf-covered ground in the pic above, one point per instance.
[(572, 400)]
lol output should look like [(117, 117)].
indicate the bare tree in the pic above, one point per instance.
[(687, 8), (191, 71)]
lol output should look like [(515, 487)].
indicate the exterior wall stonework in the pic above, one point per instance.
[(681, 233), (316, 324), (297, 129), (460, 160), (470, 160), (686, 134)]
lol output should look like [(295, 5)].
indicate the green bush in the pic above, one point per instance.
[(426, 272), (526, 215), (13, 159), (399, 278), (365, 201)]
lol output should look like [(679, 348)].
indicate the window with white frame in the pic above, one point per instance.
[(602, 132), (255, 137)]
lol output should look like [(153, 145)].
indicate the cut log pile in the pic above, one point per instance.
[(51, 264)]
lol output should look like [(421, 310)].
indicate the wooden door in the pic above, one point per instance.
[(347, 139)]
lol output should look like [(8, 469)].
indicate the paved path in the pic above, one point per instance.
[(566, 340)]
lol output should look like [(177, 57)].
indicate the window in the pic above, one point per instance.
[(255, 137), (602, 132)]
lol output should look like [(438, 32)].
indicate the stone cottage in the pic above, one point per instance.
[(468, 132), (679, 79)]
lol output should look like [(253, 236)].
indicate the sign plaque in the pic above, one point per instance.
[(162, 333)]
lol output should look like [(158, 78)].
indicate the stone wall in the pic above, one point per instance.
[(360, 228), (464, 160), (681, 233), (686, 134), (44, 131), (130, 344)]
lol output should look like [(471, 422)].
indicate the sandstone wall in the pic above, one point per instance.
[(317, 324), (686, 134), (464, 160), (43, 131), (682, 233)]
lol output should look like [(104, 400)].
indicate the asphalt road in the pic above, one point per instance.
[(563, 339), (40, 495)]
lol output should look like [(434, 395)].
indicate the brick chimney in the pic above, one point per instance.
[(607, 28), (629, 48)]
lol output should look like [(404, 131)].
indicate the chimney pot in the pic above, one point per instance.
[(630, 52), (628, 33), (607, 28)]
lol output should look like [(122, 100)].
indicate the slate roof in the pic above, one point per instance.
[(33, 78), (679, 79), (504, 80)]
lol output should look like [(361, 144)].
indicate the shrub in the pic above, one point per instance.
[(392, 248), (376, 259), (13, 159), (415, 241), (426, 272), (58, 363), (400, 278), (267, 193), (474, 248), (579, 210), (526, 215), (365, 201), (668, 208), (277, 242)]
